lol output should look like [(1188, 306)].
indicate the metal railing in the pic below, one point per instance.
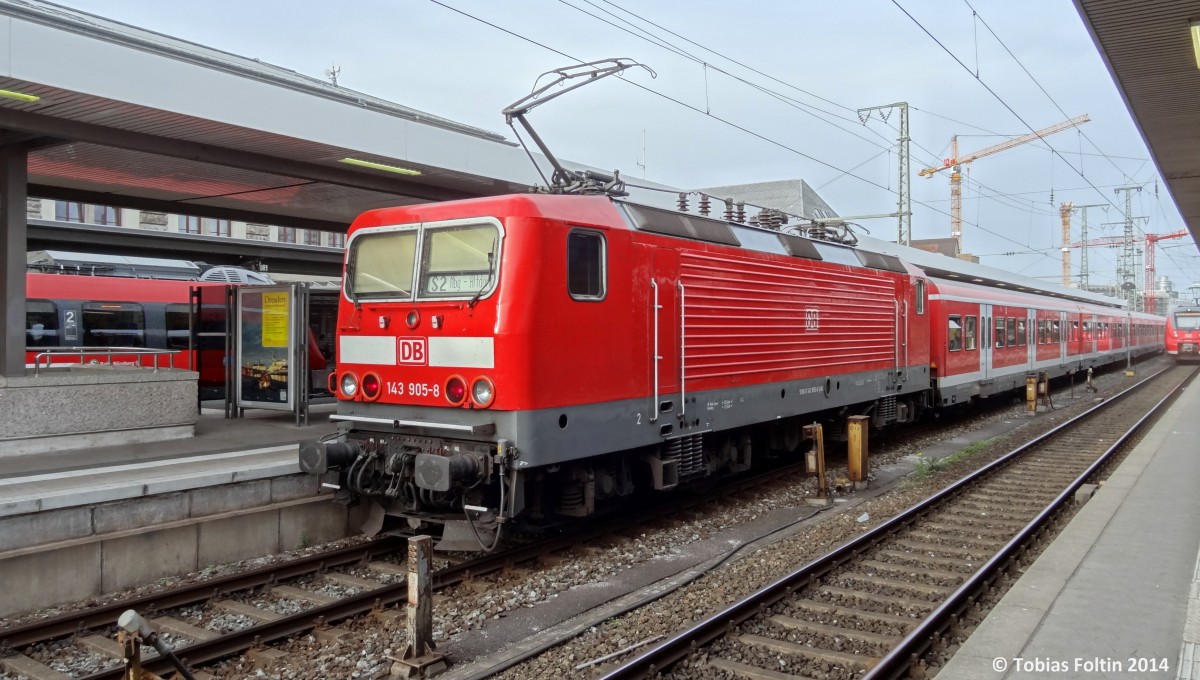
[(49, 354)]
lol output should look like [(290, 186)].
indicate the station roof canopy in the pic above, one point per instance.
[(1150, 53), (118, 115)]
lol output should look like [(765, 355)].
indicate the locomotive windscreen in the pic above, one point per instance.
[(456, 260), (1187, 321)]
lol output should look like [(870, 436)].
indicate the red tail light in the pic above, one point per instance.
[(371, 387), (456, 390)]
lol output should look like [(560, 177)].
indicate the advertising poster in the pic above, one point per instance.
[(265, 347)]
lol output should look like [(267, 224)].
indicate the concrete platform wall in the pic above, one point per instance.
[(60, 556), (86, 406)]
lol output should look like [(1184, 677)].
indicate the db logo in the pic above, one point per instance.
[(812, 320), (412, 351)]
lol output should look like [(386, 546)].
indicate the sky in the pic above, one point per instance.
[(759, 90)]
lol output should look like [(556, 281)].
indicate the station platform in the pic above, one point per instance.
[(76, 524), (1117, 594), (214, 434)]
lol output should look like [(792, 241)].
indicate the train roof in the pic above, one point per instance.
[(944, 266), (111, 265), (868, 251)]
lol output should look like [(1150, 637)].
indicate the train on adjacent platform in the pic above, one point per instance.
[(101, 312), (1183, 333), (538, 356)]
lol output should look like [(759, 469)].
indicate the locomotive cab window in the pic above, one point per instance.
[(969, 331), (381, 264), (113, 324), (954, 333), (459, 261), (585, 265), (41, 324)]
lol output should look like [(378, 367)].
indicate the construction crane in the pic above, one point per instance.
[(1149, 241), (955, 163)]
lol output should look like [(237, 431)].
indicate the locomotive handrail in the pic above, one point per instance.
[(49, 353), (657, 358), (682, 349)]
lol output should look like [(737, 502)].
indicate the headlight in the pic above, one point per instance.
[(349, 384), (483, 392)]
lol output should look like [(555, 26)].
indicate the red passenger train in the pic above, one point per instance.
[(70, 310), (539, 355), (1183, 333)]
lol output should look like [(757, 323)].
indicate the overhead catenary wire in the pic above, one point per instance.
[(722, 120)]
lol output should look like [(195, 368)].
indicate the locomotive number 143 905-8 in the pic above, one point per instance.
[(397, 388)]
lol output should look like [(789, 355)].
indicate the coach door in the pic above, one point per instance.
[(666, 332), (985, 343), (1090, 340), (1064, 336)]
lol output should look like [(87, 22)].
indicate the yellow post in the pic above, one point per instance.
[(857, 455)]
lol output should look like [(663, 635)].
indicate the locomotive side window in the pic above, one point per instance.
[(971, 324), (954, 333), (459, 261), (177, 326), (920, 296), (111, 324), (381, 264), (585, 265), (41, 324)]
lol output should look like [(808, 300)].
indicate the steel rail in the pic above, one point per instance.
[(105, 615), (202, 652), (897, 662), (682, 644)]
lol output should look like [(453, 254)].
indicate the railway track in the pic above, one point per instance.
[(277, 602), (874, 606)]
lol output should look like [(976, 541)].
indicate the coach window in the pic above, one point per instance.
[(920, 296), (1021, 336), (177, 326), (1054, 332), (113, 324), (954, 333), (585, 265), (1012, 332), (969, 333), (999, 331), (1041, 331), (41, 324)]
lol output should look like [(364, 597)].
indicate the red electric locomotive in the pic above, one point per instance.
[(542, 354), (1183, 333)]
